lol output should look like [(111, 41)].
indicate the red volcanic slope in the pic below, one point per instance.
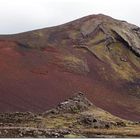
[(40, 69)]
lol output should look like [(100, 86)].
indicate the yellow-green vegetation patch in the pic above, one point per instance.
[(39, 34), (63, 43), (125, 71), (75, 64), (115, 55), (98, 37), (98, 50), (82, 50), (123, 67), (74, 136), (134, 59), (73, 59), (33, 46), (103, 115), (59, 121), (74, 34)]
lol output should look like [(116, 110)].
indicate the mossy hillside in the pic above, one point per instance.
[(121, 62), (115, 55)]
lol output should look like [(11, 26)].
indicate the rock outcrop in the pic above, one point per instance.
[(77, 103)]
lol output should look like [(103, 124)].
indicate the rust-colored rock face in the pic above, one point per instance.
[(97, 55)]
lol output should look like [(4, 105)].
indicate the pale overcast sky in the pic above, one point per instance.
[(24, 15)]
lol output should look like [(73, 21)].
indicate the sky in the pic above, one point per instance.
[(25, 15)]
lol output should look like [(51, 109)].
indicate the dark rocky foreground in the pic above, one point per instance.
[(76, 117)]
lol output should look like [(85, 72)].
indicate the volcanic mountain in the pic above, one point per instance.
[(97, 55)]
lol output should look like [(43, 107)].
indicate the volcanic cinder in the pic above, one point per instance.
[(97, 55)]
